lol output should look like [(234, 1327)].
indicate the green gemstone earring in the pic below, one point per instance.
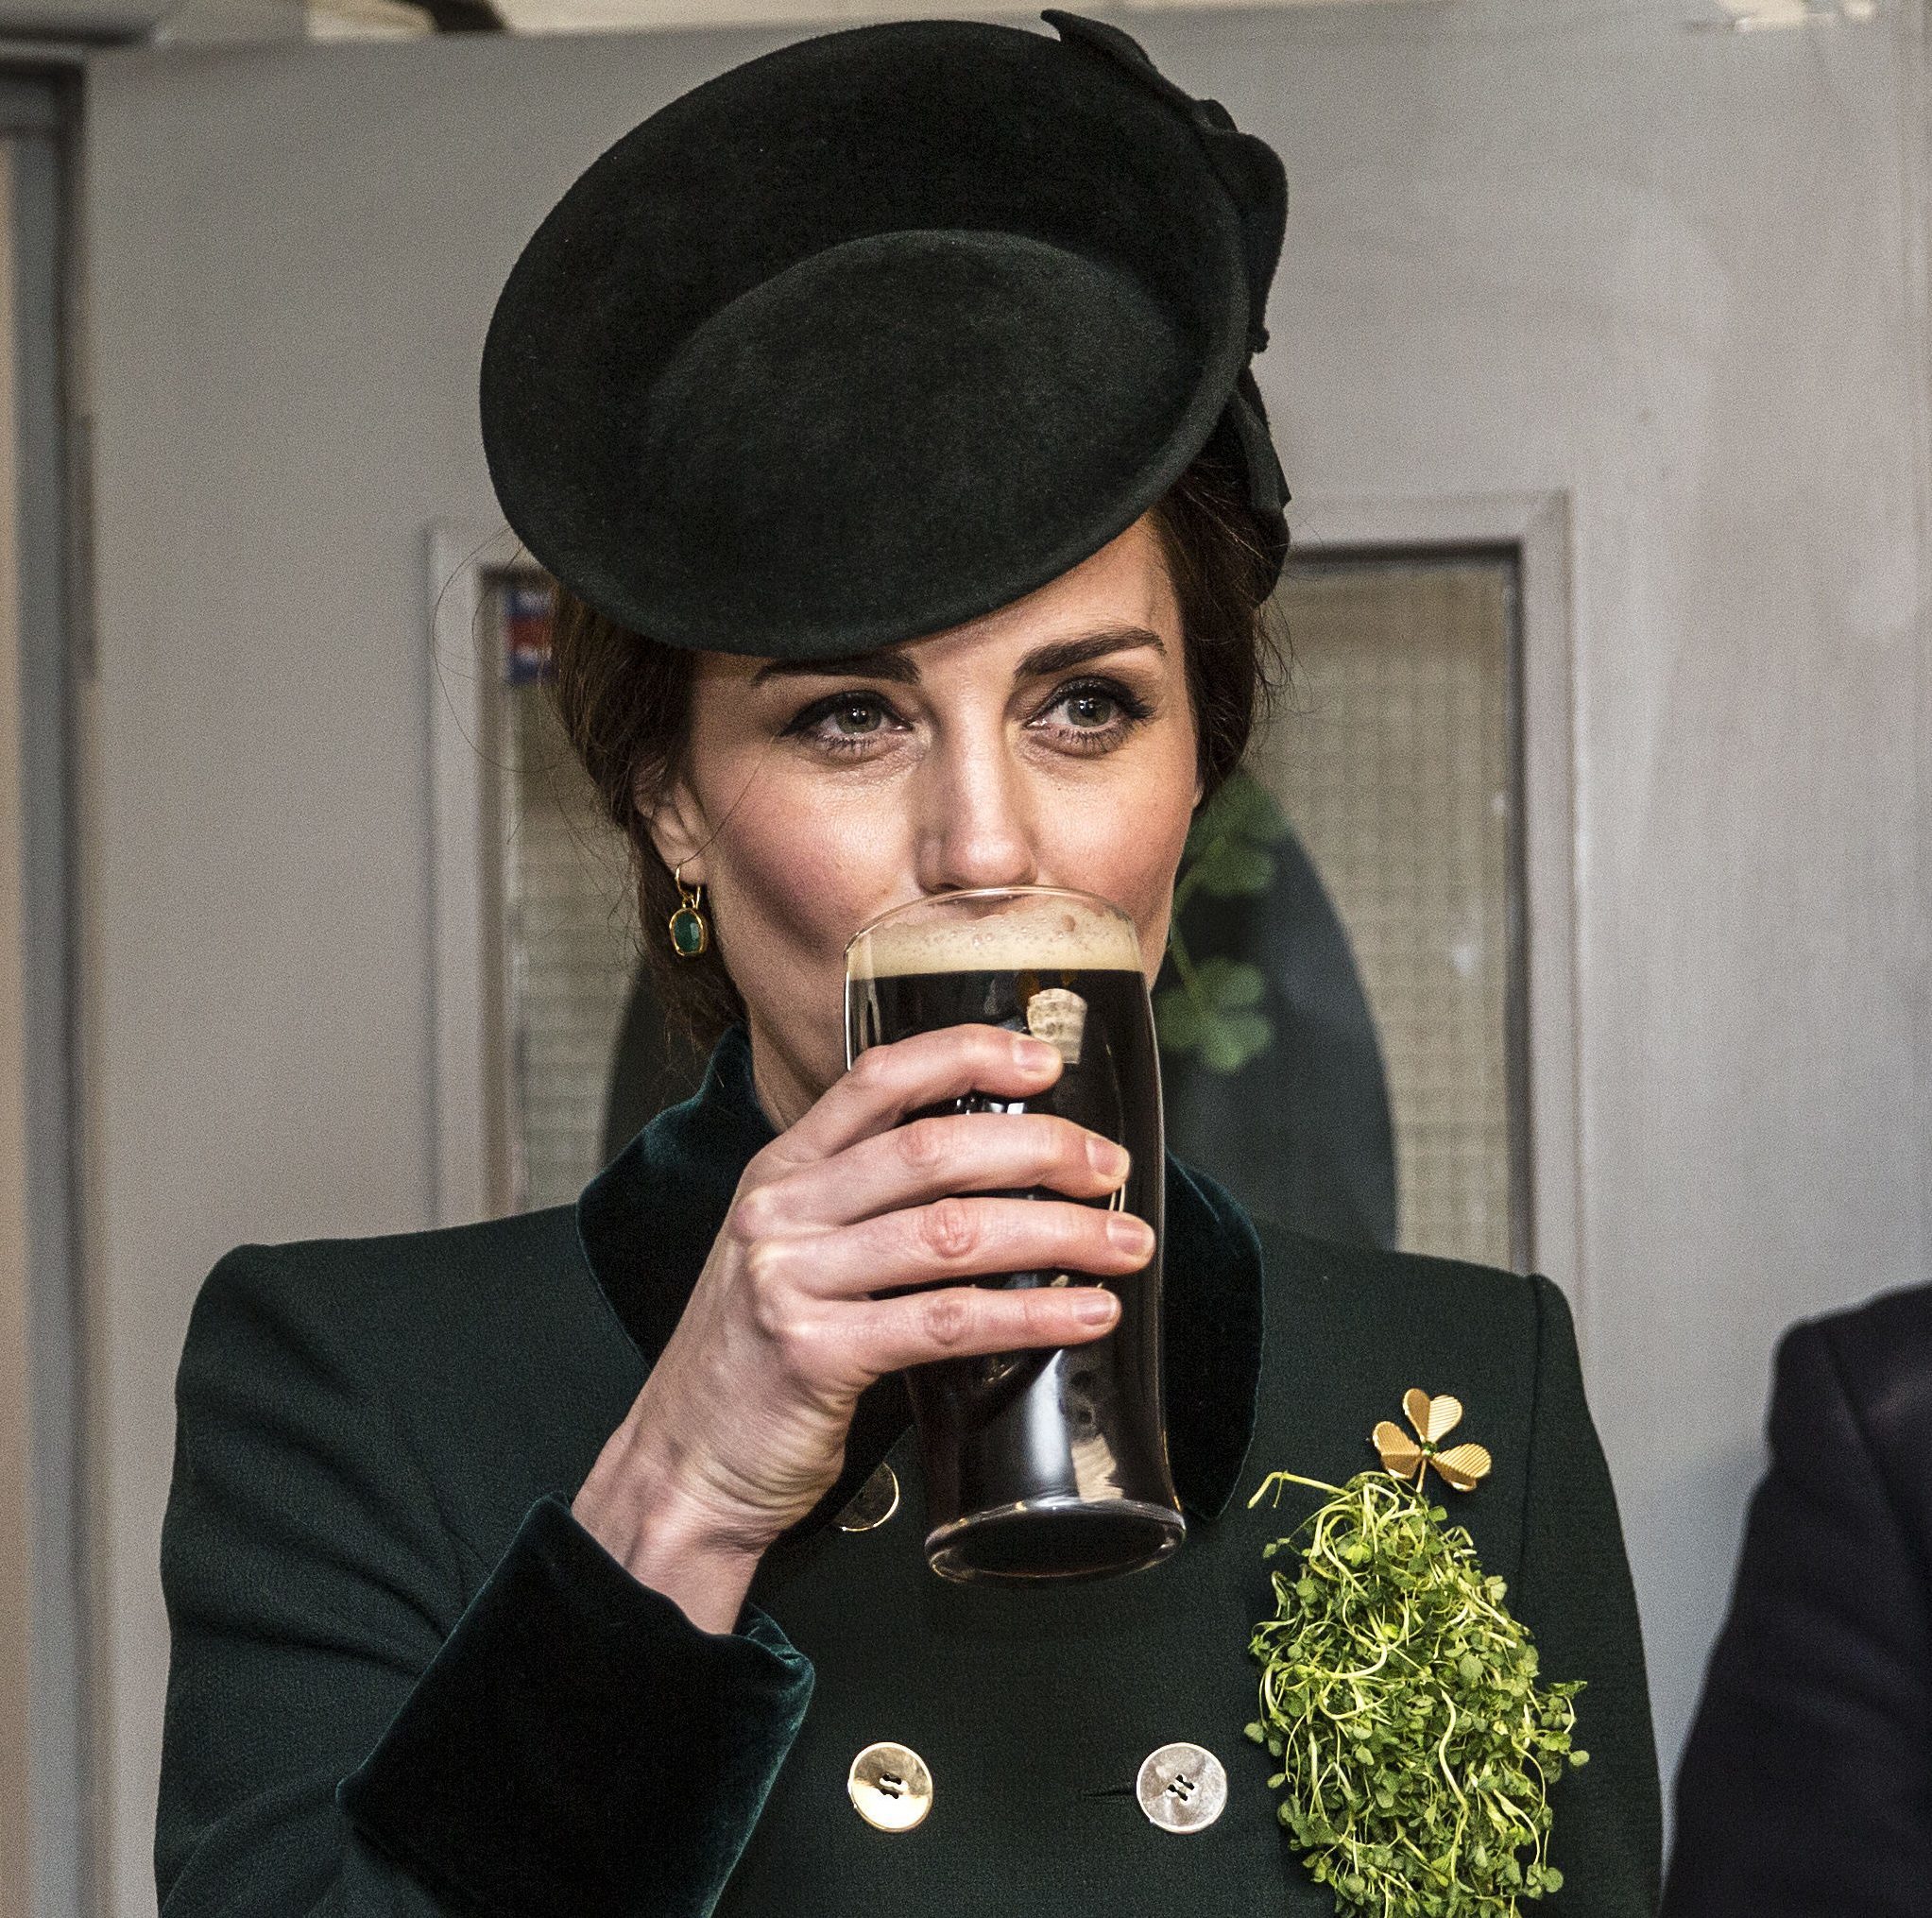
[(690, 931)]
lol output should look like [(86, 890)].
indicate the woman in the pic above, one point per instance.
[(895, 386)]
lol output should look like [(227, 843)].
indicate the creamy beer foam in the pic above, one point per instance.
[(1049, 936)]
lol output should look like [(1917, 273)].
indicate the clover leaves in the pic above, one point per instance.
[(1213, 1013), (1403, 1703)]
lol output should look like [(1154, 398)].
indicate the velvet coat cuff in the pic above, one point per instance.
[(578, 1748)]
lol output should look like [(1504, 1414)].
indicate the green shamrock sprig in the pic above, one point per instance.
[(1401, 1700), (1213, 1011)]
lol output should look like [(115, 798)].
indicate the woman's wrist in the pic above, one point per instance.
[(664, 1538)]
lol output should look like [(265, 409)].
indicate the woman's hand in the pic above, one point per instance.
[(741, 1425)]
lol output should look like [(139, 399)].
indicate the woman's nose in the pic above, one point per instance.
[(976, 827)]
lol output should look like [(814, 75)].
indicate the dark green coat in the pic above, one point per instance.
[(404, 1680)]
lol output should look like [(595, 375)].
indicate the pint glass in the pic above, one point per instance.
[(1052, 1464)]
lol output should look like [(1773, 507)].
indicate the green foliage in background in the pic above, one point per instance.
[(1213, 1013), (1401, 1700)]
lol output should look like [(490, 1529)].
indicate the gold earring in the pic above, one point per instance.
[(690, 931)]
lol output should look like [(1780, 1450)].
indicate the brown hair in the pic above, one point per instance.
[(625, 704)]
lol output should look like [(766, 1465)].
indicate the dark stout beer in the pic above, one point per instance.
[(1042, 1464)]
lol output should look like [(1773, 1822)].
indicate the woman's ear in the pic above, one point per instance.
[(675, 821)]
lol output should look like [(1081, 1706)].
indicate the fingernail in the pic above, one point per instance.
[(1129, 1233), (1105, 1157), (1095, 1308), (1035, 1054)]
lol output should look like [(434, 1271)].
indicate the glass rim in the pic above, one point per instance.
[(991, 892)]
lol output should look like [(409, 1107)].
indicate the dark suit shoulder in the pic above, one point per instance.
[(1444, 1315), (1894, 1329), (456, 1287), (1881, 1349), (1852, 1391), (421, 1268), (1370, 1277), (491, 1346)]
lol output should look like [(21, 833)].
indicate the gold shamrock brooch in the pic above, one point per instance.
[(1461, 1466)]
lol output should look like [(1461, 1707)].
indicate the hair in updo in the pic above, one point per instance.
[(624, 701)]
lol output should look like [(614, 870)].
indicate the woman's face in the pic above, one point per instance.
[(1050, 742)]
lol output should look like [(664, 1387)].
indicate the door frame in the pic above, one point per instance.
[(47, 1733), (470, 1095), (1535, 528)]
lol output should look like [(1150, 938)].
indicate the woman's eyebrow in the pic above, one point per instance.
[(894, 663), (1063, 653), (887, 663)]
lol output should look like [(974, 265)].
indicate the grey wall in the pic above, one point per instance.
[(1675, 276)]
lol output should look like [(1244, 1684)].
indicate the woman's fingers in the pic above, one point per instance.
[(954, 1238), (973, 1152), (887, 1082), (963, 1321)]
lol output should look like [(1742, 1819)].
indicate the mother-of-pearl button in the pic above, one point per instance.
[(1182, 1788), (890, 1787)]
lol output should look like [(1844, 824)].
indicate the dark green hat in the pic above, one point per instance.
[(881, 330)]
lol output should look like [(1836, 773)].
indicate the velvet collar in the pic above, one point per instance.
[(647, 1222)]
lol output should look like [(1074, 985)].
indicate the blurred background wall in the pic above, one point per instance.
[(1655, 287)]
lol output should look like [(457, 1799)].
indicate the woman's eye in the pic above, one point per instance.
[(855, 715), (1091, 707), (1094, 715), (842, 723)]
